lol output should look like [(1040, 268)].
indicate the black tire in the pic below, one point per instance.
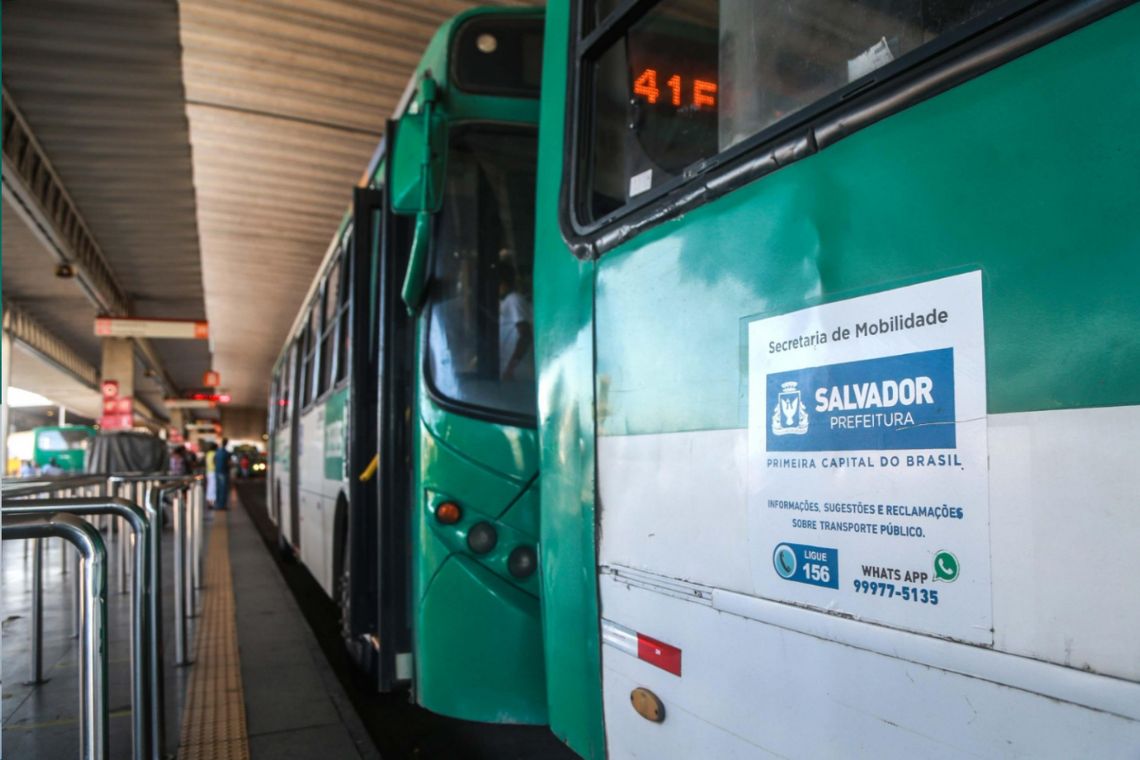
[(284, 549)]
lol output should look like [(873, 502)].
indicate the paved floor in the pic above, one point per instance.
[(295, 706), (399, 728)]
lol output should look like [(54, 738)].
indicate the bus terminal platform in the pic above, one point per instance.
[(268, 677), (238, 698)]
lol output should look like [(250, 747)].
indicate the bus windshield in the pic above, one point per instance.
[(480, 350), (687, 80), (62, 439)]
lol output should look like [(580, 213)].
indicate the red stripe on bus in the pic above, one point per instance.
[(664, 656)]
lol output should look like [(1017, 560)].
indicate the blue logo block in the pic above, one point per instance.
[(893, 402), (814, 565)]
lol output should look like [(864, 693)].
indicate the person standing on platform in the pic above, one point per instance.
[(177, 463), (222, 474), (211, 475)]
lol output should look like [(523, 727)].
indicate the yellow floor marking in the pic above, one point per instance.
[(213, 720)]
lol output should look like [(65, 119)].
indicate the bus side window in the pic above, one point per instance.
[(308, 363), (314, 347), (684, 81), (346, 275), (273, 396), (328, 328), (290, 380)]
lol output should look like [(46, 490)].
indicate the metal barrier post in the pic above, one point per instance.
[(77, 599), (191, 543), (195, 546), (93, 723), (123, 548), (198, 501), (37, 631), (135, 517), (180, 657)]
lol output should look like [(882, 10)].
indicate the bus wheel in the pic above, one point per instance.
[(283, 547)]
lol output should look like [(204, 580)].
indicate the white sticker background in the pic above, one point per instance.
[(798, 479)]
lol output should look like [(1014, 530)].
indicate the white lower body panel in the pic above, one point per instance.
[(766, 678), (753, 689)]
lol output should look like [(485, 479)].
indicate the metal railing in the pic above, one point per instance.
[(153, 488), (144, 517), (93, 718), (141, 610)]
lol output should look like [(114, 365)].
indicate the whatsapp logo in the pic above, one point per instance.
[(945, 567)]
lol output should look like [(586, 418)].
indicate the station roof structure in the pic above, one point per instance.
[(191, 160)]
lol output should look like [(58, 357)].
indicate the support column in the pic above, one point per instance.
[(177, 420), (119, 365)]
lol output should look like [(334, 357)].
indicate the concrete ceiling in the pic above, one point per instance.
[(100, 85), (211, 147)]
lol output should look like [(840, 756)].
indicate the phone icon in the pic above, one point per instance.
[(784, 560), (945, 567)]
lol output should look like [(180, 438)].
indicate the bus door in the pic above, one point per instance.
[(376, 625), (296, 399)]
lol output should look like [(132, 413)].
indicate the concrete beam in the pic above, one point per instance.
[(52, 349), (35, 190)]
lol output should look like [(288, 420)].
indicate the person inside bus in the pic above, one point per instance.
[(516, 325)]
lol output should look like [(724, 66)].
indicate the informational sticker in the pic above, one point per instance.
[(874, 57), (639, 183), (868, 485)]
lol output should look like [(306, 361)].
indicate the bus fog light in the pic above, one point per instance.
[(482, 538), (522, 561)]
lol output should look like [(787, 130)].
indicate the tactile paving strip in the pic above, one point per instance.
[(213, 720)]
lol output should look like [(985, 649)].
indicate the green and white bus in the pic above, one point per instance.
[(63, 445), (404, 465), (837, 309), (788, 410)]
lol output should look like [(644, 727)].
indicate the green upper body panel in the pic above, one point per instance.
[(1025, 172), (564, 350)]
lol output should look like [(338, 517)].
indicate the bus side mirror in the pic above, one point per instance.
[(417, 155), (416, 183), (416, 279)]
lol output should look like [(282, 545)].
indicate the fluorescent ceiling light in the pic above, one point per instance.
[(21, 397)]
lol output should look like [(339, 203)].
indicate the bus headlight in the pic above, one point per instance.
[(482, 537), (522, 561)]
